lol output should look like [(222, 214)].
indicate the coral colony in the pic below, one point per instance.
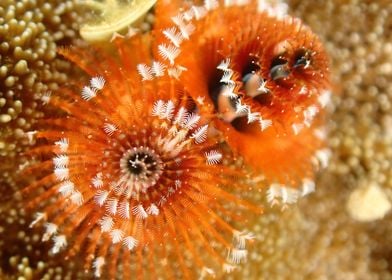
[(151, 164)]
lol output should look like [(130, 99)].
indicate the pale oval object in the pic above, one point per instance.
[(369, 203), (120, 17)]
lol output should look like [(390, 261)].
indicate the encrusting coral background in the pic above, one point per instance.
[(323, 237)]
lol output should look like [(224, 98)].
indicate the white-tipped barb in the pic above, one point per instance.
[(106, 224), (100, 197), (61, 173), (237, 256), (174, 36), (116, 235), (285, 194), (308, 186), (130, 242), (63, 144), (123, 209), (97, 181), (153, 210), (88, 93), (60, 161), (168, 52), (145, 71), (76, 198), (191, 121), (98, 265), (158, 68), (38, 217), (50, 230), (97, 83), (213, 157), (139, 212), (66, 188), (264, 124), (109, 128), (111, 206), (200, 135), (59, 243)]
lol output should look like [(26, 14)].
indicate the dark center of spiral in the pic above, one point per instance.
[(141, 163)]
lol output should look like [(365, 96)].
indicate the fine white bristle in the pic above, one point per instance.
[(198, 12), (174, 36), (45, 98), (130, 242), (97, 265), (168, 110), (200, 135), (100, 197), (50, 230), (325, 98), (168, 52), (106, 224), (224, 65), (77, 198), (158, 68), (145, 71), (213, 157), (226, 78), (139, 212), (228, 91), (59, 243), (241, 237), (153, 210), (287, 195), (117, 235), (61, 161), (253, 116), (176, 71), (123, 209), (66, 188), (297, 127), (323, 157), (39, 216), (109, 128), (158, 108), (264, 124), (207, 272), (228, 268), (186, 30), (237, 256), (241, 108), (88, 93), (97, 83), (181, 116), (211, 4), (191, 121), (62, 144), (97, 181), (111, 206), (61, 173), (308, 186)]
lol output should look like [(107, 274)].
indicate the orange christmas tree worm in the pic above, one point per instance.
[(265, 77), (132, 181)]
